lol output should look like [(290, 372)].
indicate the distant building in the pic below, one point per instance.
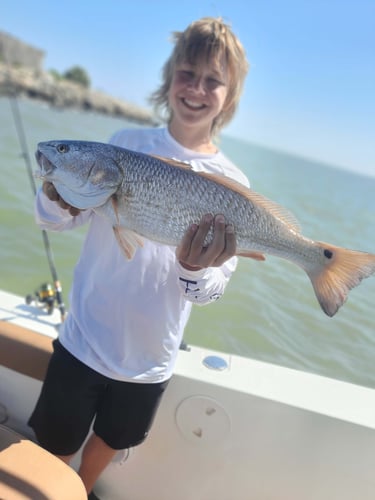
[(17, 53)]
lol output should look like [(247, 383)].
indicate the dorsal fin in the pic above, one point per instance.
[(255, 198), (174, 162)]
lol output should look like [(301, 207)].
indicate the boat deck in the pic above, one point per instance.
[(228, 427)]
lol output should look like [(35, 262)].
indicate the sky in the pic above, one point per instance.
[(311, 85)]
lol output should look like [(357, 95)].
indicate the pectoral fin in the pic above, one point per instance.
[(128, 240)]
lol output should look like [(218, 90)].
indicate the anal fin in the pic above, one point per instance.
[(252, 255)]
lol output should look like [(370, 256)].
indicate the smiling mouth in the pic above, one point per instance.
[(193, 105)]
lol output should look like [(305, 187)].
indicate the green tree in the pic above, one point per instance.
[(56, 75), (78, 75)]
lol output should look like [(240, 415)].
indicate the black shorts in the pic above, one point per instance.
[(73, 395)]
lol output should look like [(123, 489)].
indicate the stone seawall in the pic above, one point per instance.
[(64, 94)]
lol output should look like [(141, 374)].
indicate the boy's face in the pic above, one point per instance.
[(198, 93)]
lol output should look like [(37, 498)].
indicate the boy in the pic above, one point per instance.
[(116, 351)]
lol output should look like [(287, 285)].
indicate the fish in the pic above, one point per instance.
[(146, 196)]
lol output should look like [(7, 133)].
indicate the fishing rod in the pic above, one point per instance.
[(25, 154)]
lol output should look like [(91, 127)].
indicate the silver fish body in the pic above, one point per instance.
[(155, 198)]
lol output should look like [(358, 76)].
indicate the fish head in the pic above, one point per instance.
[(85, 174)]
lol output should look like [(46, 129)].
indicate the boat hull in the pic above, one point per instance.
[(231, 428)]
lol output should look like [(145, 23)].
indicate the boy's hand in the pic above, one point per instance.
[(50, 191), (193, 255)]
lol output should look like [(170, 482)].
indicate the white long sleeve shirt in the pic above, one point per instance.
[(127, 318)]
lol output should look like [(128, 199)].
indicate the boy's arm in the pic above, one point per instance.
[(205, 285), (204, 270)]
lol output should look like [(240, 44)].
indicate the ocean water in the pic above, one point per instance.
[(269, 311)]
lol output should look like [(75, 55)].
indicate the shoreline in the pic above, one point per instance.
[(42, 86)]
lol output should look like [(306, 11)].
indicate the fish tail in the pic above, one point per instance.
[(343, 270)]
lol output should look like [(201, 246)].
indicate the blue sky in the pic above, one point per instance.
[(310, 89)]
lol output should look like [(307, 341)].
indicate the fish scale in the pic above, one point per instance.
[(143, 196)]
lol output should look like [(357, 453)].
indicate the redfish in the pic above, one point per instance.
[(145, 196)]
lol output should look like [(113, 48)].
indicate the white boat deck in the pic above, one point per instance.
[(251, 431), (15, 310)]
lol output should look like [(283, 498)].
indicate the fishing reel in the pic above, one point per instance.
[(44, 296)]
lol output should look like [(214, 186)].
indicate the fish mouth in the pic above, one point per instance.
[(46, 166)]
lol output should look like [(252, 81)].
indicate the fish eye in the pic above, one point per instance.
[(62, 148)]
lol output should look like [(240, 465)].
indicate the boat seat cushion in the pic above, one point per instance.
[(24, 350), (29, 471)]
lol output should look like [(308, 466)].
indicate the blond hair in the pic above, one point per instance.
[(206, 39)]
